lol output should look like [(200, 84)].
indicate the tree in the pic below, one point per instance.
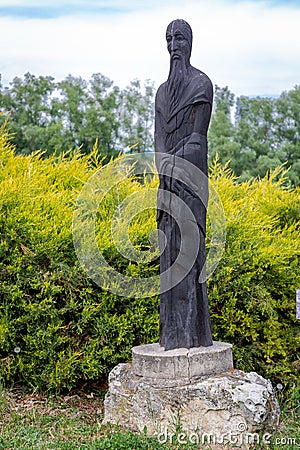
[(55, 117), (74, 113), (137, 116), (255, 134), (221, 135), (287, 131), (264, 135), (268, 130), (102, 115), (28, 101)]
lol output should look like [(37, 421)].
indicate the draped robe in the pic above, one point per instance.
[(181, 132)]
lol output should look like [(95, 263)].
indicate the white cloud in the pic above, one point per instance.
[(100, 3), (249, 46)]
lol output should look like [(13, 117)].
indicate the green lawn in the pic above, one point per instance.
[(32, 421)]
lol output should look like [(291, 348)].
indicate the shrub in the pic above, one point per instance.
[(252, 292), (58, 329)]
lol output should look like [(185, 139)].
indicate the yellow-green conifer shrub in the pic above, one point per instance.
[(252, 292), (59, 329)]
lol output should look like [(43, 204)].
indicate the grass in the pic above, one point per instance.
[(73, 422), (34, 421)]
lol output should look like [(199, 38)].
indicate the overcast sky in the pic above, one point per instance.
[(253, 47)]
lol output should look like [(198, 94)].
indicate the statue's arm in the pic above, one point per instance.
[(195, 150), (158, 133), (162, 159), (202, 113)]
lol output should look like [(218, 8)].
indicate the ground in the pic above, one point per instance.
[(73, 422)]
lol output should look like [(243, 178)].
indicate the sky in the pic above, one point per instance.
[(253, 47)]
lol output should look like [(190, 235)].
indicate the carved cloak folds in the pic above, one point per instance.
[(180, 134)]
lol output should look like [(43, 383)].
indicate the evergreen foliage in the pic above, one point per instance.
[(252, 292), (57, 116), (52, 116), (263, 135), (58, 329)]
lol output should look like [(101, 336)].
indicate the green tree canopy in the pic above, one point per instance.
[(58, 116), (252, 135), (263, 135)]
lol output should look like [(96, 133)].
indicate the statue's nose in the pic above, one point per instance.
[(173, 44)]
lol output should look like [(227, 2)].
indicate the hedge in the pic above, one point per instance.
[(58, 329)]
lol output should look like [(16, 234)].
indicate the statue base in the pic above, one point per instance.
[(152, 361), (195, 393)]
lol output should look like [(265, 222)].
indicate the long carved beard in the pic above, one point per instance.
[(176, 82)]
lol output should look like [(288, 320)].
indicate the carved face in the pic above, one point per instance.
[(178, 42)]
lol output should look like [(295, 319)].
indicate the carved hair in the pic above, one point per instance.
[(184, 28)]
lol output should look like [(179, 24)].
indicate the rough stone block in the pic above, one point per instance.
[(224, 406)]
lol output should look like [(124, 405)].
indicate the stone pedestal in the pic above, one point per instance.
[(196, 391), (152, 361)]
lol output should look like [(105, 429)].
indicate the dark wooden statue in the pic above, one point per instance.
[(183, 107)]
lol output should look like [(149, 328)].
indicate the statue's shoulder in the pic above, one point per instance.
[(199, 79), (161, 90), (160, 95), (198, 73)]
